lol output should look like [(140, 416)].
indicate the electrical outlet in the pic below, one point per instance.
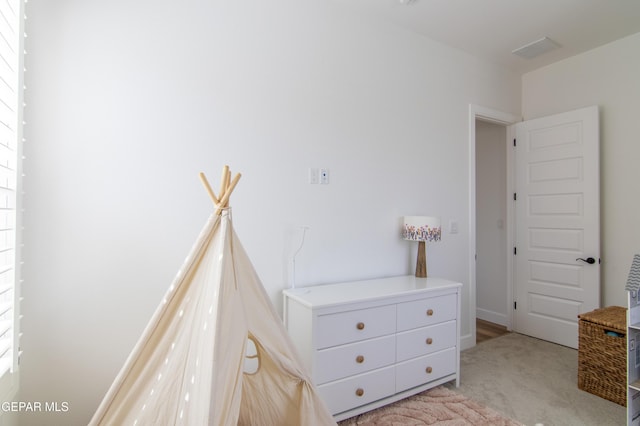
[(324, 176)]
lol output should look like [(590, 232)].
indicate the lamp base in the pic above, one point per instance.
[(421, 263)]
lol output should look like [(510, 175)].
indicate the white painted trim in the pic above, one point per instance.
[(493, 116), (511, 223), (468, 340), (491, 316), (477, 112)]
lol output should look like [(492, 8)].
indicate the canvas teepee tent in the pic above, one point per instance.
[(189, 365)]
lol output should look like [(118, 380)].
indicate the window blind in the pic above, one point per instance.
[(10, 153)]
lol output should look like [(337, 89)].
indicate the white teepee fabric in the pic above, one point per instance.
[(188, 366)]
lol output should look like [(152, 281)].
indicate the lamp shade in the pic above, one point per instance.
[(421, 228)]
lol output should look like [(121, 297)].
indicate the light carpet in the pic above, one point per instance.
[(534, 382), (439, 406)]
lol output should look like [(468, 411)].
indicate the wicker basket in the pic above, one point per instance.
[(602, 357)]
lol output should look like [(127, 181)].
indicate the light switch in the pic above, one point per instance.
[(313, 176), (453, 227)]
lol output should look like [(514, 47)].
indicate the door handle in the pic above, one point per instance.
[(589, 260)]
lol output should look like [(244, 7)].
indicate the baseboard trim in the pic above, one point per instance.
[(491, 316), (467, 342)]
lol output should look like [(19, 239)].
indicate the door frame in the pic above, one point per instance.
[(478, 112)]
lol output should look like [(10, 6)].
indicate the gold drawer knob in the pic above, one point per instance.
[(429, 340), (359, 392), (360, 326), (429, 312), (429, 370), (359, 359)]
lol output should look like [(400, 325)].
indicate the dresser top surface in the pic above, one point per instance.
[(352, 291)]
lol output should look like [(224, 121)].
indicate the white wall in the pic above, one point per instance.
[(491, 222), (128, 101), (607, 77)]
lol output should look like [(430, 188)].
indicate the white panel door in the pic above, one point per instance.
[(557, 224)]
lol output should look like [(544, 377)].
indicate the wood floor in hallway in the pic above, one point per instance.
[(486, 330)]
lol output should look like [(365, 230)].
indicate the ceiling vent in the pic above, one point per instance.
[(536, 48)]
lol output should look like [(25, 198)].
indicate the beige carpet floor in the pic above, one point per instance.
[(533, 382), (514, 377), (439, 406)]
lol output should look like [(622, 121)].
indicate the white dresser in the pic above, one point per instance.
[(369, 343)]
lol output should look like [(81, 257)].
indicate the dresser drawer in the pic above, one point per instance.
[(425, 340), (352, 326), (429, 311), (422, 370), (355, 358), (358, 390), (359, 338)]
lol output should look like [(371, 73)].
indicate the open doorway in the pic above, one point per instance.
[(491, 230), (503, 121), (549, 299)]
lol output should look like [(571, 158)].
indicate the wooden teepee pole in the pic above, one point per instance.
[(226, 188), (224, 180), (212, 194), (224, 201)]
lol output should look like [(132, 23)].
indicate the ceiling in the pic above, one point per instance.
[(492, 29)]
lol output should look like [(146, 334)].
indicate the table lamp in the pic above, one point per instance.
[(421, 229)]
